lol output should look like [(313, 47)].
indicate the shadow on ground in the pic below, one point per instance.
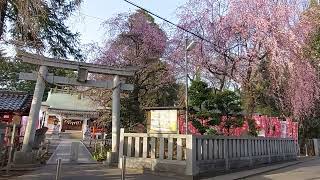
[(309, 170)]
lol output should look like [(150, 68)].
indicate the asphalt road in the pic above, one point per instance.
[(309, 170)]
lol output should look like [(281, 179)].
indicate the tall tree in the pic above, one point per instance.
[(39, 25), (243, 34), (136, 40)]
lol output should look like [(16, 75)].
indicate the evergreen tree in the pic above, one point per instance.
[(40, 25)]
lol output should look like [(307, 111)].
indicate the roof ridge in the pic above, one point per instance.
[(13, 92)]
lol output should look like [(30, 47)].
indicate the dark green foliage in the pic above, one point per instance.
[(198, 93), (40, 25), (149, 91), (214, 106), (9, 75), (200, 127), (252, 128)]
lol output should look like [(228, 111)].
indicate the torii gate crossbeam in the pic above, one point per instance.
[(83, 68)]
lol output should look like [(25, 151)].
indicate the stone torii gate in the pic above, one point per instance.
[(83, 69)]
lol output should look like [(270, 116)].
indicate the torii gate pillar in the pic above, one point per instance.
[(83, 70), (34, 110), (115, 119)]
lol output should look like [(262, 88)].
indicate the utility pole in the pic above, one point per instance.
[(186, 90), (188, 47)]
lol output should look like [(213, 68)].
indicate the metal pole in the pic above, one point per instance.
[(186, 90), (306, 149), (11, 147), (115, 118), (123, 168), (34, 110), (58, 172)]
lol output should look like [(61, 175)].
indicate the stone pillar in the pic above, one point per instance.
[(191, 154), (115, 119), (316, 147), (34, 110)]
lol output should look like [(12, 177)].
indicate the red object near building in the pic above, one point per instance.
[(267, 127)]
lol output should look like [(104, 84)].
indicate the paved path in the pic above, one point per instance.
[(85, 169), (87, 172), (309, 170), (257, 172), (63, 151)]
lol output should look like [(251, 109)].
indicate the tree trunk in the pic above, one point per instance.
[(248, 93), (3, 11)]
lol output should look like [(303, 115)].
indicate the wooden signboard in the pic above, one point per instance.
[(163, 121)]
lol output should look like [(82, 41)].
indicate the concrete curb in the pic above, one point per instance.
[(261, 170)]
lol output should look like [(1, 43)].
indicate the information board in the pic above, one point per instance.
[(164, 121)]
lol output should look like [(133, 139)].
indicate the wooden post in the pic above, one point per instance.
[(11, 147)]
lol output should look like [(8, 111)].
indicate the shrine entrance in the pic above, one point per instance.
[(71, 124), (42, 77)]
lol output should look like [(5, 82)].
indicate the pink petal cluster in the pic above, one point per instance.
[(243, 33)]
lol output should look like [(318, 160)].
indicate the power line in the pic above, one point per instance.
[(94, 17), (176, 25)]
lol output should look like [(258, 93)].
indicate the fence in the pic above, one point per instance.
[(195, 154), (316, 146)]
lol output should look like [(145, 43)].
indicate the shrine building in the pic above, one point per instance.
[(70, 113)]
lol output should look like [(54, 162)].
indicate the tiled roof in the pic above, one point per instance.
[(11, 101)]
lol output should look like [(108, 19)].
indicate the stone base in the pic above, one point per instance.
[(25, 157), (114, 158), (108, 161)]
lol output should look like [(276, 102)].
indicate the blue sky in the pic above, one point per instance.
[(87, 21)]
